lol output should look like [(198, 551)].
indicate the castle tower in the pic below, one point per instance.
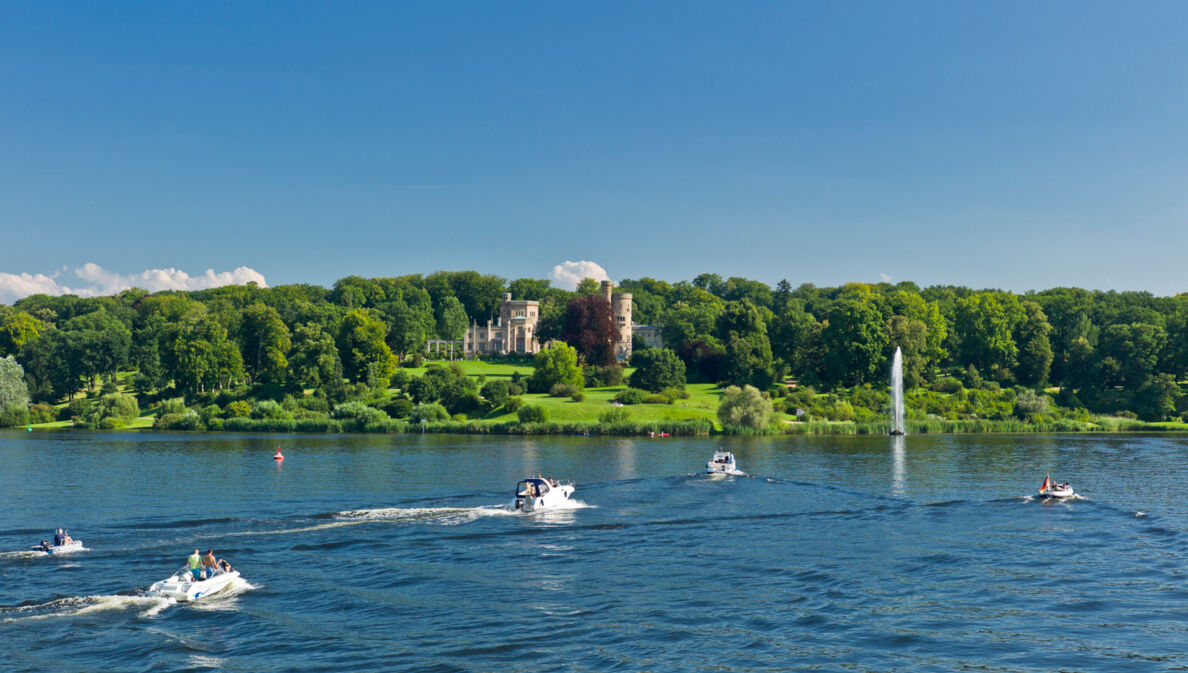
[(621, 309)]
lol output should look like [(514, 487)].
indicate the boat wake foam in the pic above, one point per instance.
[(225, 599), (446, 516), (28, 553), (77, 606)]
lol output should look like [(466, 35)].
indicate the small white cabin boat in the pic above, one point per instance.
[(722, 463), (183, 587), (68, 548), (537, 493), (1057, 491)]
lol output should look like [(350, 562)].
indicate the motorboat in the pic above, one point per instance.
[(67, 548), (1054, 490), (537, 493), (1051, 489), (722, 463), (183, 587)]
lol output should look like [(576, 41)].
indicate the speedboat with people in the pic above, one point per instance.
[(537, 493), (722, 463), (64, 548), (1051, 489), (183, 586), (62, 544)]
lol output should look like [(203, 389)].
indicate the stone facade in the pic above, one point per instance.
[(621, 308), (653, 335), (514, 331)]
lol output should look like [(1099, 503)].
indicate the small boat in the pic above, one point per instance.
[(537, 493), (68, 548), (183, 587), (722, 463), (1051, 489)]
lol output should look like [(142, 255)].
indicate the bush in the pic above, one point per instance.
[(512, 404), (657, 369), (400, 407), (185, 420), (602, 376), (533, 413), (41, 413), (562, 390), (631, 396), (356, 416), (82, 407), (495, 392), (555, 364), (514, 389), (400, 379), (744, 408), (1030, 404), (946, 384), (617, 415), (578, 396), (674, 394), (656, 398), (239, 409), (269, 409), (428, 412), (14, 415), (123, 407)]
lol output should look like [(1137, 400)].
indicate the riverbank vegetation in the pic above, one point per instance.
[(352, 359)]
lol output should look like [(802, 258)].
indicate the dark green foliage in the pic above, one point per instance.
[(563, 390), (533, 413), (631, 396), (495, 392), (556, 364), (602, 377), (14, 393), (657, 369)]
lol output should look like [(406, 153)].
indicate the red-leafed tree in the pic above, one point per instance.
[(590, 328)]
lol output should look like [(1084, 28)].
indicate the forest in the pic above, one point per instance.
[(1060, 351)]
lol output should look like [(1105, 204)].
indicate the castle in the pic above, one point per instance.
[(514, 331)]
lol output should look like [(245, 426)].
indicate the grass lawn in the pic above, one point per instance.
[(478, 368)]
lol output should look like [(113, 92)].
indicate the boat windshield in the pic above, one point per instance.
[(532, 488)]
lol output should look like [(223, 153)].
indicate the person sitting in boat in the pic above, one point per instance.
[(194, 565), (224, 566), (210, 565), (66, 539), (45, 546), (58, 538)]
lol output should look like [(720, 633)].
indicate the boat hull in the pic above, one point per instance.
[(189, 590), (556, 497), (77, 545), (1057, 493)]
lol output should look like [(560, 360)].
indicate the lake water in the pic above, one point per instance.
[(397, 553)]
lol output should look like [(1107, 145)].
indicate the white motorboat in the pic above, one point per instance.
[(1050, 489), (1057, 491), (722, 463), (68, 548), (537, 493), (183, 587)]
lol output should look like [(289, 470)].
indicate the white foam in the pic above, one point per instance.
[(203, 661), (225, 599), (76, 606), (446, 516)]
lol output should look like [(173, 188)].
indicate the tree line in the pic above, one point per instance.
[(1106, 351)]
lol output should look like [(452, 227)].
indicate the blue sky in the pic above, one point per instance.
[(1014, 145)]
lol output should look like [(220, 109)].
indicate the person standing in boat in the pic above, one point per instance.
[(210, 565), (194, 563)]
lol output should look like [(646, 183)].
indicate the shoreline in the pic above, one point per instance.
[(694, 428)]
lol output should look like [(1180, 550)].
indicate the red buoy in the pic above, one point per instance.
[(278, 455)]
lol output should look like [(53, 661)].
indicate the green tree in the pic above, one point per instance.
[(1135, 348), (451, 321), (588, 286), (912, 337), (1155, 399), (1035, 350), (313, 358), (742, 329), (984, 324), (744, 407), (854, 336), (14, 394), (264, 342), (657, 369), (361, 341), (16, 329), (557, 363)]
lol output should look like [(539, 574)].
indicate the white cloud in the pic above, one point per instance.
[(95, 281), (886, 278), (568, 274)]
